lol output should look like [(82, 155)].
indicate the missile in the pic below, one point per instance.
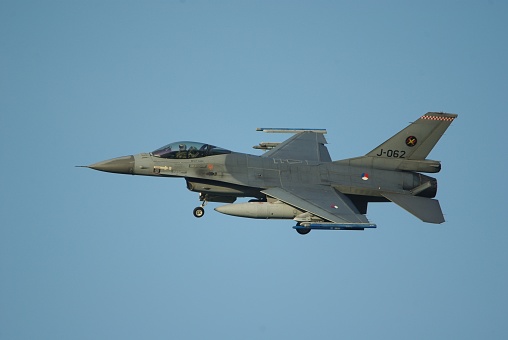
[(261, 210)]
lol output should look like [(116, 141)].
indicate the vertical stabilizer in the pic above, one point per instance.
[(417, 140)]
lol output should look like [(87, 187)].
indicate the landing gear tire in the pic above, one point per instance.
[(303, 231), (198, 212)]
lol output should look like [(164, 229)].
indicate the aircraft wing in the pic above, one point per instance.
[(306, 145), (322, 201)]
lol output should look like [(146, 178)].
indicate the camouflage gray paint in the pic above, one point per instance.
[(298, 180)]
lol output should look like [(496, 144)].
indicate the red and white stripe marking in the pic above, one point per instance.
[(446, 119)]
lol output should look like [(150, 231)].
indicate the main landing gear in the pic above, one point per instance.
[(302, 231)]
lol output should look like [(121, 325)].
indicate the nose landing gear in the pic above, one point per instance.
[(200, 211)]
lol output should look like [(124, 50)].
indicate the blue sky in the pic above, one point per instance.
[(90, 255)]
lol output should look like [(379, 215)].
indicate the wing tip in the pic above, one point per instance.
[(291, 130)]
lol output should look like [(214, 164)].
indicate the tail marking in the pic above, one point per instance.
[(445, 119)]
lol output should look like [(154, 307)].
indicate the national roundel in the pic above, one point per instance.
[(411, 141)]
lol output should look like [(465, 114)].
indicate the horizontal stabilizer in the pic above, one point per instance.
[(426, 209), (335, 226)]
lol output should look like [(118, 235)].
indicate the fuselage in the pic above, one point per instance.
[(244, 175)]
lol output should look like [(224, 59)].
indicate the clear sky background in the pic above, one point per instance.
[(91, 255)]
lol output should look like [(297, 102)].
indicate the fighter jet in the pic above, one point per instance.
[(298, 180)]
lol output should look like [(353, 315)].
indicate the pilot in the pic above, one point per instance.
[(182, 151), (193, 152)]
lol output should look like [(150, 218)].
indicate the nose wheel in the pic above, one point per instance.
[(198, 212)]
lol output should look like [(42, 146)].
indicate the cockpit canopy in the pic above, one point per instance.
[(184, 150)]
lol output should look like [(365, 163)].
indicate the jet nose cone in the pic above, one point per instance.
[(120, 165)]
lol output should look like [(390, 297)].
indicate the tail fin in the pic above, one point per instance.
[(417, 140)]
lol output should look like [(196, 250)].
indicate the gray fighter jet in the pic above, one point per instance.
[(297, 179)]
